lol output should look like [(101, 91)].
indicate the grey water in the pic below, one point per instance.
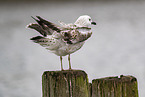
[(116, 47)]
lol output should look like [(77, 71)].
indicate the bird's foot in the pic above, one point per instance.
[(70, 69), (62, 69)]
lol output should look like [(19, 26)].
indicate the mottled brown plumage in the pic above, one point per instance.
[(65, 39)]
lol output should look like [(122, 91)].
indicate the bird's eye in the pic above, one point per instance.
[(89, 19)]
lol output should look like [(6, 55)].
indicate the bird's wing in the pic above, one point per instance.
[(76, 34), (43, 31), (44, 27), (84, 33)]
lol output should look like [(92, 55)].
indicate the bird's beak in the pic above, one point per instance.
[(93, 23)]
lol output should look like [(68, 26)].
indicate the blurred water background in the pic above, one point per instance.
[(116, 47)]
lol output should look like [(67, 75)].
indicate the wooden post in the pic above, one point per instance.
[(125, 86), (70, 83), (74, 83)]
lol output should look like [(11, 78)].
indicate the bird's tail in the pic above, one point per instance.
[(48, 43)]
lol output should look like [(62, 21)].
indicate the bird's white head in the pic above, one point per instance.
[(84, 20)]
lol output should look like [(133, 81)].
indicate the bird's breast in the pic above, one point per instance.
[(68, 49)]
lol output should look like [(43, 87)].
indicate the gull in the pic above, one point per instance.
[(63, 39)]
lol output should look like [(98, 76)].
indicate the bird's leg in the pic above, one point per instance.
[(69, 62), (61, 63)]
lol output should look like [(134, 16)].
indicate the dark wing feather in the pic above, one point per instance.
[(49, 24), (38, 28), (43, 27), (36, 38)]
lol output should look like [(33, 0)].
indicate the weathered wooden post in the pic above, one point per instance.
[(125, 86), (68, 83), (74, 83)]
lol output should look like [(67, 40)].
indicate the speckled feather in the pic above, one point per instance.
[(61, 40)]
